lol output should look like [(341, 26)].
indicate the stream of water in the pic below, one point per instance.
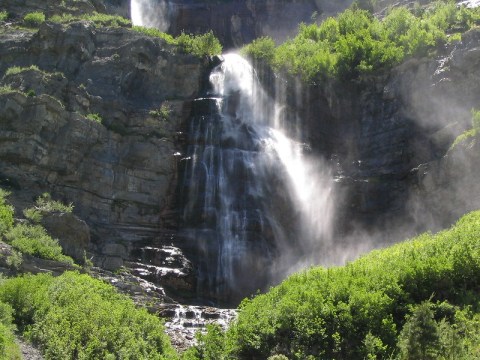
[(255, 205)]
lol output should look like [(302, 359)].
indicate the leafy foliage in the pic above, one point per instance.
[(359, 310), (355, 42), (470, 134), (94, 117), (9, 350), (45, 204), (163, 112), (34, 19), (34, 240), (18, 69), (198, 45), (98, 19), (6, 213), (74, 316), (3, 15)]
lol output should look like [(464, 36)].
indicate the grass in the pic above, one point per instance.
[(34, 19), (94, 117), (98, 19), (34, 240), (74, 316), (18, 69), (3, 15), (199, 45)]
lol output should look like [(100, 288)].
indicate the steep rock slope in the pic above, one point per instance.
[(119, 172)]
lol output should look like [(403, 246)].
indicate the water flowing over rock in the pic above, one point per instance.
[(248, 189)]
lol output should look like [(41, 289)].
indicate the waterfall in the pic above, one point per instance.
[(255, 205), (150, 13)]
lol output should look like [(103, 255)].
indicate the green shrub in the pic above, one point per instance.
[(94, 117), (154, 32), (9, 350), (7, 89), (3, 15), (45, 203), (476, 120), (260, 49), (163, 112), (198, 45), (18, 69), (74, 316), (106, 20), (34, 240), (6, 213), (34, 19), (356, 42), (98, 19)]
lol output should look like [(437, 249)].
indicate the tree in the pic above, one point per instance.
[(420, 337)]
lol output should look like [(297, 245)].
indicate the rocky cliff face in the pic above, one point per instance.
[(119, 172)]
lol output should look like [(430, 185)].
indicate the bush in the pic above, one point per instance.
[(198, 45), (18, 69), (3, 15), (74, 316), (106, 20), (94, 117), (98, 19), (355, 42), (154, 32), (9, 350), (34, 240), (163, 112), (6, 213), (261, 49), (34, 19)]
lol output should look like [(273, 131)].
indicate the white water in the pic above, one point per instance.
[(150, 13), (310, 180)]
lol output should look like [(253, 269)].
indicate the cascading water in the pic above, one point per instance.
[(255, 206), (150, 13)]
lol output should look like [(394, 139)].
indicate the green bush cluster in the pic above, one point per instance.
[(74, 316), (30, 239), (469, 134), (200, 45), (163, 112), (98, 19), (364, 310), (94, 117), (18, 69), (356, 42), (9, 350), (34, 19), (34, 240), (3, 15)]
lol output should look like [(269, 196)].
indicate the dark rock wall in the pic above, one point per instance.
[(120, 174)]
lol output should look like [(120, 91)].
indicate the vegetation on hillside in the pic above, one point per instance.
[(470, 134), (200, 45), (74, 316), (419, 299), (356, 42), (31, 238)]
